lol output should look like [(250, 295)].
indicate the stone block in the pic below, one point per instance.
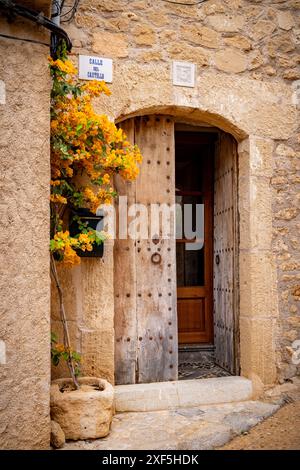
[(261, 29), (231, 60), (182, 51), (201, 35), (258, 285), (57, 436), (143, 35), (227, 23), (114, 45), (255, 209), (97, 348), (184, 394), (257, 346), (239, 42), (285, 20)]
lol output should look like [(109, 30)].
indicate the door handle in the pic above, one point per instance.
[(217, 259)]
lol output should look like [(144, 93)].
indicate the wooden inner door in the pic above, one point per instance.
[(194, 157)]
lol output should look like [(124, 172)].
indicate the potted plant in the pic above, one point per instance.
[(87, 149)]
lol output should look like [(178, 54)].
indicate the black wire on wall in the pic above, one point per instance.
[(183, 3), (13, 10), (65, 16), (16, 38)]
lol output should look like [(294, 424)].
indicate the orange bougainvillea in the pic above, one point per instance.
[(85, 146)]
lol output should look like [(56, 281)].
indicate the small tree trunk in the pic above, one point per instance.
[(66, 340)]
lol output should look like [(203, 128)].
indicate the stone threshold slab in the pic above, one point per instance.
[(182, 394)]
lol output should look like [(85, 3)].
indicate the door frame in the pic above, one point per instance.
[(122, 338)]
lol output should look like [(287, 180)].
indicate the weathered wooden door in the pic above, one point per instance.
[(194, 155), (145, 270), (226, 255)]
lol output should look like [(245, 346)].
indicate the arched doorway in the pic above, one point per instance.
[(168, 294)]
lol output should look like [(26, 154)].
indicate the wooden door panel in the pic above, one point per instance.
[(191, 292), (125, 320), (191, 315), (226, 254), (145, 292), (156, 283), (192, 320)]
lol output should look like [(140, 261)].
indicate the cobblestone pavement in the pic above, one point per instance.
[(279, 432), (198, 370), (206, 427)]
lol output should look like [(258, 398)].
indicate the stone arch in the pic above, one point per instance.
[(258, 309), (191, 115)]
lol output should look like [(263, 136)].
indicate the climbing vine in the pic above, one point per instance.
[(87, 149)]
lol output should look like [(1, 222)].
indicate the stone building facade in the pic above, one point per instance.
[(247, 59), (247, 84)]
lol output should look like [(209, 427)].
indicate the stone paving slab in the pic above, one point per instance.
[(199, 428)]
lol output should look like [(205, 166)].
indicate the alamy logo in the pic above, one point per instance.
[(148, 222)]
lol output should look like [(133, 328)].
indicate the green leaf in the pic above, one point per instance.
[(100, 237), (55, 360), (65, 355), (52, 245), (78, 128), (53, 337), (76, 356)]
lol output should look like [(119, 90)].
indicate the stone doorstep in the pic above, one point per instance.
[(159, 396)]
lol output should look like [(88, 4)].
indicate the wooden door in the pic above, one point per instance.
[(194, 157), (145, 271), (125, 286), (226, 336)]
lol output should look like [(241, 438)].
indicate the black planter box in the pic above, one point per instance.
[(92, 220)]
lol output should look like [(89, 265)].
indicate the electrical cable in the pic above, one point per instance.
[(69, 13), (183, 3), (14, 9), (35, 41)]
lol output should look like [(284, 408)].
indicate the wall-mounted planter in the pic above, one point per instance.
[(92, 221)]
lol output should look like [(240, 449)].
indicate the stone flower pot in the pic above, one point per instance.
[(85, 413)]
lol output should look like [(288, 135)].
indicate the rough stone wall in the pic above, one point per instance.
[(247, 57), (254, 38), (24, 234), (286, 246), (89, 304)]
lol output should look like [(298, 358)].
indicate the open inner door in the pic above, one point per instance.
[(207, 263), (194, 157)]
